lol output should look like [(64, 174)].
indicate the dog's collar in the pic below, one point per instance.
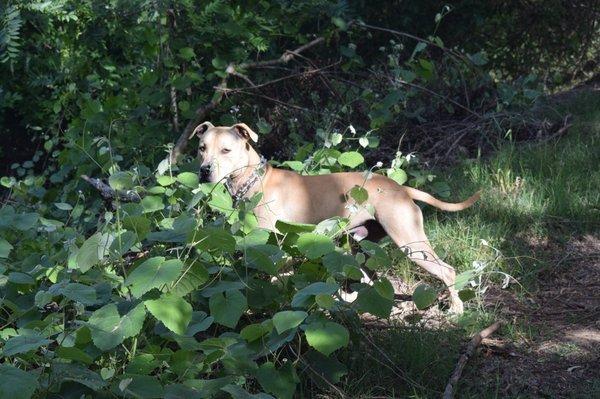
[(258, 172)]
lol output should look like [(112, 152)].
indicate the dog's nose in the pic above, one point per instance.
[(204, 173)]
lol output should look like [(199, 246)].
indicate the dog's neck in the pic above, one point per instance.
[(248, 181)]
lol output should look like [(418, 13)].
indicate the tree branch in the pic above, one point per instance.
[(110, 193)]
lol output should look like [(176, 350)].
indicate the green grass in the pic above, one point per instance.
[(531, 194)]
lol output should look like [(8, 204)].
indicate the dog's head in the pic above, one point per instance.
[(224, 151)]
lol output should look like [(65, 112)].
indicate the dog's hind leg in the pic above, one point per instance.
[(404, 224)]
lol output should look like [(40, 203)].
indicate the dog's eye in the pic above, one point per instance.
[(225, 150), (202, 148)]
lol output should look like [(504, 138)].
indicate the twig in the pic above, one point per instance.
[(174, 108), (221, 89), (475, 341), (110, 193)]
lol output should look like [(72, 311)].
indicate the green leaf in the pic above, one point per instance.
[(370, 301), (281, 383), (152, 203), (187, 53), (398, 175), (219, 63), (462, 279), (92, 252), (292, 227), (138, 224), (335, 262), (122, 243), (220, 199), (141, 386), (25, 221), (20, 278), (294, 165), (80, 293), (325, 301), (153, 273), (188, 179), (104, 324), (76, 373), (336, 138), (73, 353), (266, 258), (131, 324), (108, 329), (166, 180), (326, 337), (288, 319), (23, 343), (304, 296), (384, 287), (359, 194), (340, 23), (174, 312), (16, 383), (252, 332), (466, 295), (228, 307), (237, 392), (378, 258), (314, 245), (63, 206), (351, 159), (121, 180), (5, 248), (263, 126), (191, 278), (214, 239), (424, 296)]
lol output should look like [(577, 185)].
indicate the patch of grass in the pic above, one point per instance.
[(530, 192), (409, 362)]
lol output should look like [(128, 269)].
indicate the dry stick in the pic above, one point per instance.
[(475, 341), (174, 108), (220, 90), (109, 193)]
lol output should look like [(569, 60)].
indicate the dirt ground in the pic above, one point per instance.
[(549, 345), (560, 356)]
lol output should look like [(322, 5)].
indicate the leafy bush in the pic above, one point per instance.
[(180, 293)]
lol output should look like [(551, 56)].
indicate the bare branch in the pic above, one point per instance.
[(475, 341), (110, 193)]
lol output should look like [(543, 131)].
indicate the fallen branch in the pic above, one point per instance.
[(110, 193), (221, 89), (475, 341)]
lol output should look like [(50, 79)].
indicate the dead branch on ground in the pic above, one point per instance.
[(462, 361)]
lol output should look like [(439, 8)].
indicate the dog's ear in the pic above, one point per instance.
[(243, 130), (201, 128)]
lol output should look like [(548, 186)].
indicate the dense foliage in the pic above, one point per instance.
[(179, 294)]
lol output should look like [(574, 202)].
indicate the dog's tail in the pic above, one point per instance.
[(445, 206)]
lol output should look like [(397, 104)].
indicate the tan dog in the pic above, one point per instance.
[(226, 154)]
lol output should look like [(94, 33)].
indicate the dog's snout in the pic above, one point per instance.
[(204, 173)]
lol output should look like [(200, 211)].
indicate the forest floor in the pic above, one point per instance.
[(539, 222)]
